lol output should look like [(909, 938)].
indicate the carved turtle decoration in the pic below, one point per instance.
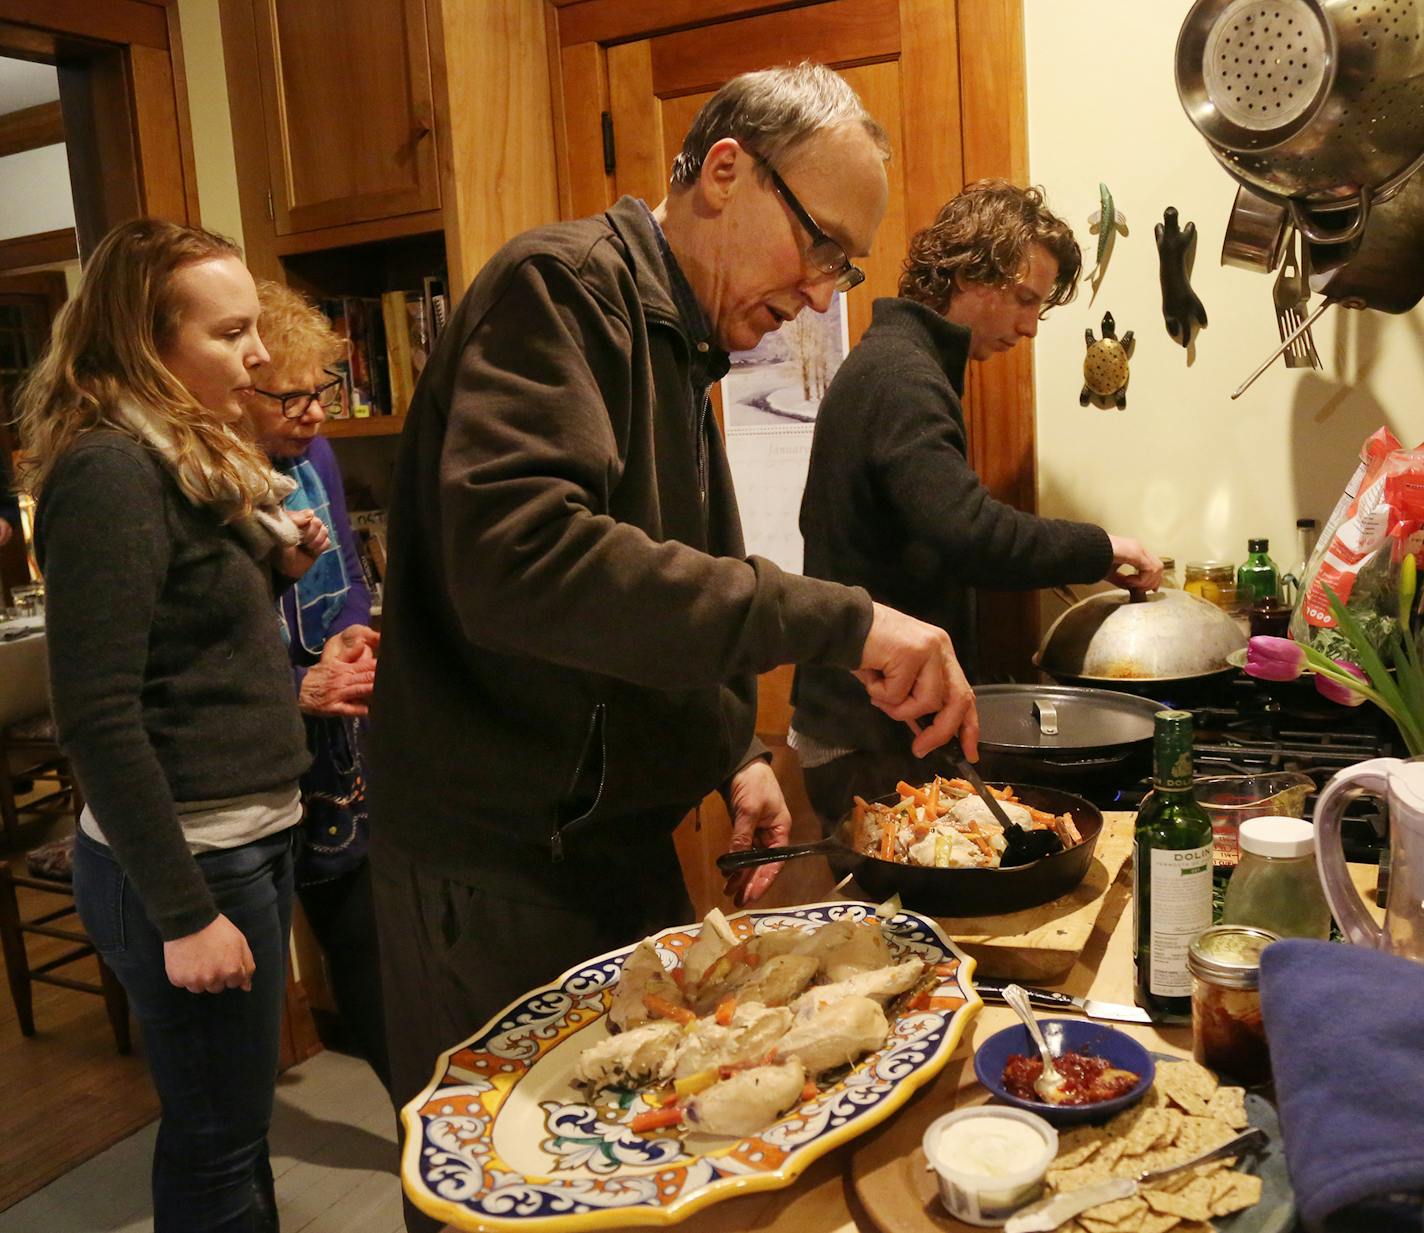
[(1105, 369)]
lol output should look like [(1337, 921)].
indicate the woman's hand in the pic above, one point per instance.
[(340, 682), (1128, 552), (293, 562), (215, 958)]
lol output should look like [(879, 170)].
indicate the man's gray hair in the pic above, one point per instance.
[(772, 111)]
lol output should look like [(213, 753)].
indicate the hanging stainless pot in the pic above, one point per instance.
[(1315, 102), (1119, 639), (1386, 269), (1255, 232)]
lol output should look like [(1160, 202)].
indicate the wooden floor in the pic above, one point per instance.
[(68, 1093), (333, 1155)]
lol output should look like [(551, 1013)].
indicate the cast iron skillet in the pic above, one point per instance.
[(954, 892)]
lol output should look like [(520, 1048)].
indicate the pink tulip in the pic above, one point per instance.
[(1274, 659), (1338, 692)]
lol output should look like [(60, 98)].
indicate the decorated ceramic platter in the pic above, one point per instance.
[(501, 1140)]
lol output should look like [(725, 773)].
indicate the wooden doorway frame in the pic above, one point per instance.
[(124, 98)]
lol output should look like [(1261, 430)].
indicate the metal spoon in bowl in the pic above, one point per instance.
[(1050, 1082)]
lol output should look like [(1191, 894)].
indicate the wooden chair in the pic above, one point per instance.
[(30, 756), (29, 748), (22, 973)]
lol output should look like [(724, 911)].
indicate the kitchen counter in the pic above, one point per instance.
[(827, 1196)]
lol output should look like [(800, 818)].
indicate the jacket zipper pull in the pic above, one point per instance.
[(556, 844)]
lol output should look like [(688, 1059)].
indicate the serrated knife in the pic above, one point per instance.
[(1047, 999), (1048, 1214)]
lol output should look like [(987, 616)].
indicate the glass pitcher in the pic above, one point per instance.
[(1402, 786)]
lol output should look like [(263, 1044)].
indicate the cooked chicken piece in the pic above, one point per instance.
[(848, 947), (773, 983), (640, 1055), (713, 941), (835, 1035), (881, 985), (775, 942), (972, 809), (748, 1102), (750, 1037), (642, 974)]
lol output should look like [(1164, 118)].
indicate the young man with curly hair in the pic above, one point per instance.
[(891, 502)]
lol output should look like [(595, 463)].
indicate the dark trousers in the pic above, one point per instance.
[(343, 918), (213, 1056), (460, 944)]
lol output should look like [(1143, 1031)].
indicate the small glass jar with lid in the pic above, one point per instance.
[(1276, 886), (1169, 572), (1214, 581), (1228, 1034)]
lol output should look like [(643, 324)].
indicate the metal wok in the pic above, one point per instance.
[(954, 892)]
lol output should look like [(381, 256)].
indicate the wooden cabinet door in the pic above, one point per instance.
[(348, 112), (903, 57)]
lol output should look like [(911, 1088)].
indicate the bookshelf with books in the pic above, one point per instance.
[(386, 299)]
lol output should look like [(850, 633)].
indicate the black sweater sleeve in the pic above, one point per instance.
[(917, 447), (107, 545)]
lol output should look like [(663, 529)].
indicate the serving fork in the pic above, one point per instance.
[(1291, 295)]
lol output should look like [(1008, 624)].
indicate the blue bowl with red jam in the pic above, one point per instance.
[(1091, 1057)]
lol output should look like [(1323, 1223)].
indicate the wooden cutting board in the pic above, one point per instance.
[(1042, 944)]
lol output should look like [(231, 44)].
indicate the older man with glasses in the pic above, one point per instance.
[(572, 628)]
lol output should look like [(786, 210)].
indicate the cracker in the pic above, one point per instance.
[(1188, 1085), (1063, 1180), (1234, 1192), (1077, 1145), (1144, 1132), (1192, 1203), (1117, 1211), (1228, 1104), (1171, 1127)]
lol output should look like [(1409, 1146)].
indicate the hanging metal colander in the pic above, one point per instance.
[(1317, 102)]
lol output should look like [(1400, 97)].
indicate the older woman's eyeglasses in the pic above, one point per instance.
[(824, 254), (295, 403)]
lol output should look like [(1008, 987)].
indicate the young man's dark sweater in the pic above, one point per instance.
[(892, 505)]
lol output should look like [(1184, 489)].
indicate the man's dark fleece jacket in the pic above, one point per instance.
[(892, 505), (571, 634)]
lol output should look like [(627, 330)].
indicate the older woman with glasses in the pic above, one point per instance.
[(326, 625)]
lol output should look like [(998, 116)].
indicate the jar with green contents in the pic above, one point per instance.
[(1228, 1034), (1276, 885)]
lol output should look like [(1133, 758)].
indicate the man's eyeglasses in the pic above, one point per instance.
[(825, 254), (296, 402)]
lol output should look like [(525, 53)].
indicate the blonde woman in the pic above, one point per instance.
[(332, 648), (162, 534)]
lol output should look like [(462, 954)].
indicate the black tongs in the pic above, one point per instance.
[(1021, 845)]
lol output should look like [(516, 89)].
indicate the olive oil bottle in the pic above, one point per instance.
[(1171, 866)]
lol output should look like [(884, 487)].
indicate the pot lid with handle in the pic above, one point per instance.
[(1043, 718), (1167, 635)]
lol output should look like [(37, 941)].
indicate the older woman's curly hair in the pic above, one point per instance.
[(983, 236), (297, 335)]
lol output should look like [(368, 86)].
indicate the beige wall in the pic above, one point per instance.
[(212, 122), (1183, 467)]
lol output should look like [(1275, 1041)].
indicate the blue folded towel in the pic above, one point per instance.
[(1346, 1031)]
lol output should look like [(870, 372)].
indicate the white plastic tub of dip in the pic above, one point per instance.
[(990, 1159)]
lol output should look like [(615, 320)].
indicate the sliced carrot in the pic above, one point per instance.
[(921, 1001), (810, 1091), (934, 798), (887, 841), (661, 1008), (726, 1008), (655, 1119), (679, 976)]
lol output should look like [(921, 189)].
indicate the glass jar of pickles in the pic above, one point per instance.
[(1214, 581), (1227, 1032)]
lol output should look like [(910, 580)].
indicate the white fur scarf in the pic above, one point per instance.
[(268, 529)]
